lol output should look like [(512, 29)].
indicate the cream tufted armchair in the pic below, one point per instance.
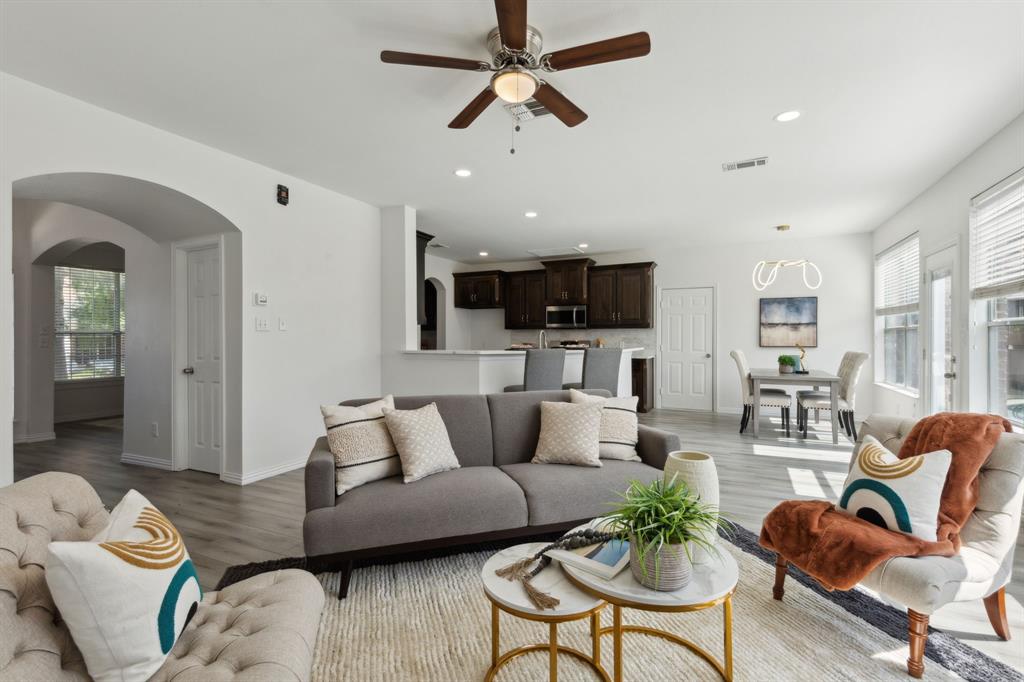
[(262, 628), (982, 569)]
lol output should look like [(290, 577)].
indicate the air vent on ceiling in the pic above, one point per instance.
[(747, 163), (526, 111), (437, 245), (550, 253)]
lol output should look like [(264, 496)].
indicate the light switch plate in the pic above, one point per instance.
[(282, 325), (262, 325)]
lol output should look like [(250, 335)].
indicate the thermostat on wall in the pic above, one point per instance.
[(260, 299), (282, 195)]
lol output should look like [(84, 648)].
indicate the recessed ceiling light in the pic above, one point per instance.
[(583, 246), (530, 214), (463, 172), (483, 253), (787, 116)]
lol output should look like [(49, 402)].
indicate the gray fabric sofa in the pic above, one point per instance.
[(262, 628), (497, 494)]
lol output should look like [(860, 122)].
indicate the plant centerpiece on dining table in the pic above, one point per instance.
[(787, 364), (664, 523)]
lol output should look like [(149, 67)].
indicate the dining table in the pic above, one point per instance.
[(814, 378)]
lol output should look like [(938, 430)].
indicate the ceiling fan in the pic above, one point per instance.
[(515, 49)]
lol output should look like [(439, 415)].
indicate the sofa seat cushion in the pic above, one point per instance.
[(262, 628), (476, 499), (558, 493)]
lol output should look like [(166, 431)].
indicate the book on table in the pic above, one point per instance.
[(604, 559)]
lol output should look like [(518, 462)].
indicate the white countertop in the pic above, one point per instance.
[(494, 352)]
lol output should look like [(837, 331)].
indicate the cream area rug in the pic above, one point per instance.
[(429, 620)]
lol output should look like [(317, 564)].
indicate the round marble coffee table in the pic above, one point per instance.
[(510, 597), (712, 583)]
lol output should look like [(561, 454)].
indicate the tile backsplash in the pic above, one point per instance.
[(615, 338)]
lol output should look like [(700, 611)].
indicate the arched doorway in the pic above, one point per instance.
[(162, 233), (432, 333)]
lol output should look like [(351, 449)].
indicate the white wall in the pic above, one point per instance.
[(93, 399), (314, 258), (844, 300), (940, 216)]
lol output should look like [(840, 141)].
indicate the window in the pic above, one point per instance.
[(88, 324), (997, 280), (897, 275)]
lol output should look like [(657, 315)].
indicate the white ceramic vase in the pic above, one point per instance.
[(697, 470)]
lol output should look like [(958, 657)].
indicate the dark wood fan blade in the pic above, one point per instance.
[(413, 59), (559, 105), (613, 49), (473, 109), (512, 23)]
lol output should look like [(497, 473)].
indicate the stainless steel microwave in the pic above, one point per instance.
[(566, 317)]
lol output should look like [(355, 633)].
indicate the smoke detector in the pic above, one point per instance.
[(746, 163)]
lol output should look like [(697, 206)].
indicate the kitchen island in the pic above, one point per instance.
[(436, 372)]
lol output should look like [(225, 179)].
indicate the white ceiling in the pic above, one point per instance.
[(893, 95)]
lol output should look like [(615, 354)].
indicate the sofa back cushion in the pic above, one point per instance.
[(465, 416), (515, 421), (34, 641)]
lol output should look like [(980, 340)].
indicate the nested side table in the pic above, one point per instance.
[(509, 597)]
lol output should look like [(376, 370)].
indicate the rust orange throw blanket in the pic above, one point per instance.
[(839, 550)]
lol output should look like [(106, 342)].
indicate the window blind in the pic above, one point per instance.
[(897, 275), (997, 239), (88, 323)]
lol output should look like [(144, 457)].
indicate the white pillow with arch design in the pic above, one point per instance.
[(902, 495)]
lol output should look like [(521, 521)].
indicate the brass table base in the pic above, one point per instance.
[(499, 660)]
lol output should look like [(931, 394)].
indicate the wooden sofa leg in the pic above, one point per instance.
[(346, 576), (918, 629), (995, 607), (781, 568)]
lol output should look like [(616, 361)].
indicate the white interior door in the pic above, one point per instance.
[(940, 339), (205, 402), (685, 349)]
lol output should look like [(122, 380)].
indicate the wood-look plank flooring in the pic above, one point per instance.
[(225, 524)]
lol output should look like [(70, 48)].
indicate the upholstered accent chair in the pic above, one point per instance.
[(542, 371), (983, 567), (770, 397), (262, 628), (849, 372), (600, 370)]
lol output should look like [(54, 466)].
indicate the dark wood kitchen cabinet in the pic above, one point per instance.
[(525, 299), (479, 289), (621, 296), (567, 281)]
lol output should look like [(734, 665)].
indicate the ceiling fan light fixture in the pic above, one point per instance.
[(514, 84)]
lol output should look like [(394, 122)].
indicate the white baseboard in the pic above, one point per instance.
[(35, 437), (145, 461), (260, 474)]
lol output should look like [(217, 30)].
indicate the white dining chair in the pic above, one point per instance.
[(770, 397), (849, 372)]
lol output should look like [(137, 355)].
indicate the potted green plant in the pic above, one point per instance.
[(664, 523), (787, 364)]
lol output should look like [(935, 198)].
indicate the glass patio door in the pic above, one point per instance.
[(941, 339)]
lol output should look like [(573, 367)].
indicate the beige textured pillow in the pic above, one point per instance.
[(422, 441), (619, 430), (362, 447), (569, 434)]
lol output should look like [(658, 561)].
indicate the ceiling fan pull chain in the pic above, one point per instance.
[(515, 129)]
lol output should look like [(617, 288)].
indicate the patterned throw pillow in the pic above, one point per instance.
[(619, 431), (422, 441), (362, 446), (127, 594), (569, 434), (902, 495)]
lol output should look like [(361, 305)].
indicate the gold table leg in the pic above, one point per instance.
[(495, 634), (595, 636), (727, 637), (553, 649), (617, 641)]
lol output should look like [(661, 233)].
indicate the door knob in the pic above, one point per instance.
[(949, 375), (189, 370), (707, 355)]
